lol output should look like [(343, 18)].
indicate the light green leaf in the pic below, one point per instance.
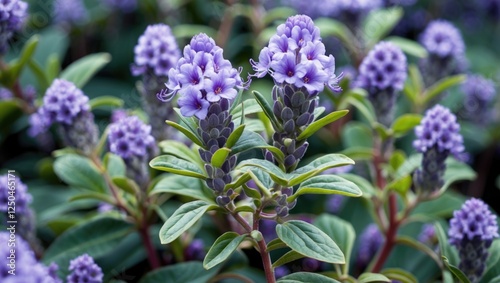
[(379, 23), (126, 184), (397, 159), (441, 86), (456, 171), (306, 277), (82, 70), (266, 108), (25, 56), (182, 219), (408, 46), (114, 164), (235, 136), (455, 271), (444, 246), (79, 172), (275, 172), (184, 186), (341, 232), (251, 106), (92, 196), (53, 67), (192, 272), (251, 140), (410, 164), (288, 257), (105, 101), (372, 277), (177, 166), (405, 123), (325, 185), (364, 106), (188, 133), (400, 275), (401, 185), (223, 247), (310, 241), (180, 150), (317, 166), (315, 126), (220, 156)]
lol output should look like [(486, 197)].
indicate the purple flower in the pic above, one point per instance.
[(220, 86), (156, 52), (25, 267), (370, 242), (427, 234), (334, 203), (195, 250), (442, 39), (70, 12), (310, 265), (84, 269), (13, 14), (125, 6), (472, 230), (287, 70), (281, 271), (479, 95), (192, 103), (313, 79)]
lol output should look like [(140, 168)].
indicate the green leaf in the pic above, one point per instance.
[(444, 246), (275, 244), (341, 232), (408, 46), (400, 275), (82, 70), (92, 196), (127, 185), (25, 56), (288, 257), (223, 247), (358, 152), (326, 185), (441, 86), (177, 166), (53, 67), (411, 242), (364, 106), (379, 23), (492, 263), (397, 159), (309, 241), (372, 277), (189, 134), (114, 165), (410, 164), (275, 172), (188, 31), (455, 271), (105, 101), (456, 171), (96, 238), (315, 126), (330, 27), (40, 76), (250, 140), (306, 277), (79, 172), (220, 156), (251, 106), (192, 272), (235, 136), (10, 110), (266, 108), (180, 150), (401, 185), (184, 186), (278, 13), (366, 187), (182, 219), (317, 166), (405, 123)]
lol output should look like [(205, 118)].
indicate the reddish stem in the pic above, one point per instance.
[(154, 261), (390, 235)]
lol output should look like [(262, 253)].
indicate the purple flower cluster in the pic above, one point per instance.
[(12, 16), (472, 230), (131, 139), (427, 234), (202, 77), (296, 56), (84, 269), (437, 137), (383, 73), (26, 267), (67, 106), (370, 242), (125, 6), (195, 250), (479, 94), (70, 12), (156, 52)]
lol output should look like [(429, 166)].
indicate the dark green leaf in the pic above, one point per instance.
[(492, 263), (266, 108), (185, 186), (182, 219), (455, 271), (114, 164), (180, 150), (317, 166), (105, 101), (177, 166), (79, 171), (408, 46), (379, 23), (316, 125), (127, 185), (456, 171), (310, 241), (25, 56), (441, 86), (364, 106), (82, 70), (305, 277), (189, 134), (286, 258), (275, 244), (275, 172), (372, 277), (251, 107), (325, 185), (192, 272), (223, 247), (251, 140)]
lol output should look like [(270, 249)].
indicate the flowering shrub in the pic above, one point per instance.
[(211, 141)]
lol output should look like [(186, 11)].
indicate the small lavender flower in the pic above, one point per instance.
[(446, 50), (268, 229), (67, 106), (383, 73), (437, 137), (70, 12), (13, 14), (131, 139), (207, 83), (427, 234), (370, 242), (195, 250), (155, 54), (479, 95), (26, 267), (281, 271), (310, 265), (126, 6), (334, 203), (84, 269), (472, 230)]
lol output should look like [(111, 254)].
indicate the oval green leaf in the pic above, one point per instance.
[(223, 247), (177, 166), (79, 171), (192, 272), (317, 166), (306, 277), (82, 70), (326, 185), (316, 125), (184, 186)]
